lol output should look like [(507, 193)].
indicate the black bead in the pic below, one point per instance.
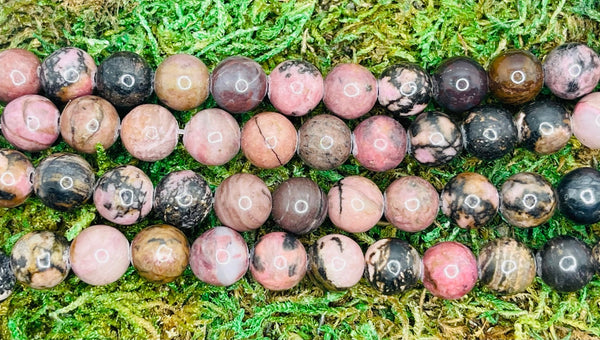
[(124, 79), (489, 133), (565, 264), (579, 195)]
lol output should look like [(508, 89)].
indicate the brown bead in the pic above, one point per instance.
[(516, 77), (299, 205), (324, 142), (527, 200), (506, 266), (238, 84), (269, 140), (181, 82), (15, 178)]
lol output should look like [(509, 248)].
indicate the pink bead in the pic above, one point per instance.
[(18, 74), (278, 261), (269, 140), (212, 137), (450, 270), (336, 262), (379, 143), (15, 178), (585, 120), (295, 87), (411, 204), (355, 204), (350, 91)]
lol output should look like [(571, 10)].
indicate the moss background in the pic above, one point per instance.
[(374, 34)]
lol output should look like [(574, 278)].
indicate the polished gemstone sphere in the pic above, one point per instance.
[(68, 73), (269, 140), (579, 195), (470, 200), (124, 79), (182, 82), (527, 200), (516, 77), (489, 132), (295, 87), (543, 126), (299, 205), (379, 143), (336, 262), (404, 89), (434, 138), (15, 178), (392, 266), (571, 70), (18, 74), (350, 91), (355, 204), (461, 84), (324, 142), (7, 277), (586, 120), (449, 270), (506, 266), (238, 84), (565, 264), (411, 203)]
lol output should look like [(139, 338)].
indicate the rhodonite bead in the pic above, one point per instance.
[(565, 264), (449, 270), (68, 73), (238, 84), (392, 266), (411, 203), (336, 262), (527, 200), (578, 195), (596, 257), (269, 140), (489, 132), (299, 205), (7, 277), (124, 79), (18, 74), (295, 87), (571, 70), (182, 82), (324, 142), (350, 91), (434, 138), (543, 126), (516, 77), (379, 143), (460, 84), (506, 266), (470, 199), (404, 89), (586, 120), (15, 178), (355, 204)]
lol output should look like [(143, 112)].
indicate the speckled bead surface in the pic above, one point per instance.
[(355, 204), (489, 132), (295, 87), (160, 253), (269, 140), (124, 79), (239, 84), (527, 200), (379, 143), (30, 123), (449, 270), (335, 262), (242, 202), (506, 266), (350, 91), (404, 89), (40, 259), (278, 261), (460, 84), (571, 70), (392, 266), (470, 200), (15, 178), (219, 256), (565, 264), (434, 138), (578, 195), (324, 142), (299, 205), (516, 77), (586, 120), (181, 82), (543, 126), (68, 73), (411, 203), (7, 277), (18, 74), (596, 257), (123, 195)]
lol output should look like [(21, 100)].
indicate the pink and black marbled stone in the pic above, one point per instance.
[(324, 142), (182, 82), (489, 132), (335, 262), (460, 84), (434, 138), (7, 277), (411, 203), (586, 120), (578, 195), (296, 87), (449, 270), (506, 266), (565, 264), (269, 140), (350, 91), (355, 204), (68, 73), (380, 143), (392, 266), (299, 205), (125, 79), (527, 200), (238, 84), (470, 200), (544, 126), (18, 74), (571, 70), (16, 173), (404, 89)]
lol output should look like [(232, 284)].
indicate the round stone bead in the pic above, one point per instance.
[(238, 84), (299, 205), (411, 204), (489, 133), (516, 77), (449, 270), (404, 89), (124, 79), (87, 121), (392, 266), (543, 126), (470, 199), (269, 140), (18, 74), (68, 73), (40, 259), (355, 204), (586, 120), (596, 257), (278, 261), (324, 142), (350, 91), (30, 123), (123, 195), (160, 253), (99, 255), (461, 84), (506, 266), (565, 264), (149, 132), (242, 202), (527, 200), (183, 199), (295, 87), (379, 143), (571, 70), (15, 178), (434, 138), (219, 257), (336, 262), (579, 195), (212, 137), (7, 277), (182, 82)]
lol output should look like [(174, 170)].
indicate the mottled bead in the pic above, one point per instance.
[(516, 77), (586, 120), (470, 199), (571, 70), (299, 205), (596, 257), (295, 87), (404, 89), (40, 259), (87, 121), (15, 178), (68, 73), (411, 203), (460, 84), (379, 143), (543, 126), (149, 132), (30, 123), (527, 200), (99, 255), (219, 256), (160, 253), (182, 82), (238, 84), (392, 266), (350, 91), (63, 181), (335, 262), (242, 202), (18, 74), (123, 195), (449, 270), (269, 140), (278, 261), (434, 138), (324, 142), (578, 195), (7, 277), (355, 204), (506, 266), (565, 264), (124, 79), (489, 132), (183, 199)]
